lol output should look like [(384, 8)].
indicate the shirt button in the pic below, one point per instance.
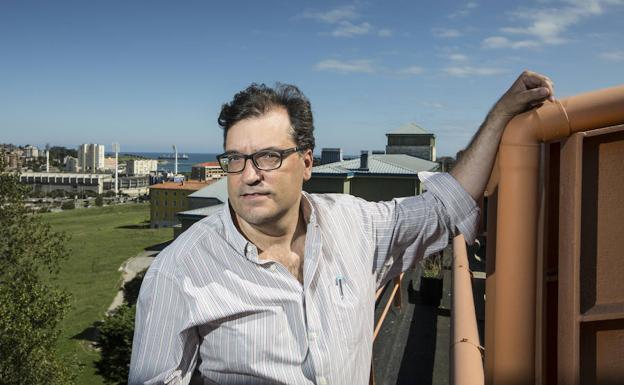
[(311, 336), (273, 267), (321, 381)]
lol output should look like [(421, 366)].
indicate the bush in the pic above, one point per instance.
[(131, 288), (36, 194), (99, 201), (115, 343), (58, 193), (68, 205)]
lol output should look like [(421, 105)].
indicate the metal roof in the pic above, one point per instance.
[(202, 211), (379, 164), (409, 129), (216, 190)]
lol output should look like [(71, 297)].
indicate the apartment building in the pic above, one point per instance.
[(141, 167), (90, 157), (169, 198)]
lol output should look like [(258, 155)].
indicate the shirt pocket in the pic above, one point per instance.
[(348, 308)]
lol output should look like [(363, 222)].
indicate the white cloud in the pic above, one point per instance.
[(465, 10), (349, 66), (344, 19), (458, 57), (412, 70), (468, 71), (333, 16), (445, 32), (617, 56), (548, 25), (433, 104), (384, 32), (495, 42), (348, 29)]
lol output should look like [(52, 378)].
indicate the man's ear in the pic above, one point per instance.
[(308, 161)]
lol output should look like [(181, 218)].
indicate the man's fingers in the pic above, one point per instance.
[(534, 96), (534, 80)]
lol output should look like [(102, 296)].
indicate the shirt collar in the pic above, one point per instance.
[(248, 249)]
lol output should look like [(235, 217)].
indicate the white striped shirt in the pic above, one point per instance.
[(209, 303)]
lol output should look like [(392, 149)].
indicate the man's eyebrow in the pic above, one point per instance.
[(272, 148)]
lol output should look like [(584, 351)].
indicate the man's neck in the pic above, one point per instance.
[(283, 234)]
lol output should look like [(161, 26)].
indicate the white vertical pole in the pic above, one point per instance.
[(116, 149), (175, 150), (47, 147)]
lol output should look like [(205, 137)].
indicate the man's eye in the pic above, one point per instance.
[(234, 157), (268, 155)]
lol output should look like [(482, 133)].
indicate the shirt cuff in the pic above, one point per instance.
[(461, 208)]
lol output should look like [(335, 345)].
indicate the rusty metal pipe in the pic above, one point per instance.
[(517, 215), (467, 364)]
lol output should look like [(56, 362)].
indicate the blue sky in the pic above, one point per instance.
[(148, 74)]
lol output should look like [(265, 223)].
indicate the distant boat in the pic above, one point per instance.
[(172, 156)]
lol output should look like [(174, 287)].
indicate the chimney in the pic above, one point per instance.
[(364, 154)]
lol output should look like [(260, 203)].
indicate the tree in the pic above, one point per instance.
[(31, 304), (115, 343)]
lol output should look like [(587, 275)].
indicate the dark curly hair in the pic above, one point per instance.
[(258, 99)]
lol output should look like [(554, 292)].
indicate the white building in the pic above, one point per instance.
[(71, 164), (31, 152), (73, 183), (91, 157), (109, 164), (141, 166)]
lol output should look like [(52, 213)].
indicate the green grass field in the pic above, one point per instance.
[(102, 238)]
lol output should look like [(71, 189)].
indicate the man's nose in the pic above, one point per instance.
[(250, 173)]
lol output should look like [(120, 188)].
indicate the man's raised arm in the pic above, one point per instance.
[(473, 169)]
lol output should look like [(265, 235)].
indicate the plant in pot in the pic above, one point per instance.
[(431, 282)]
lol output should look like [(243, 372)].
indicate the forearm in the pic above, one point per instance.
[(473, 170)]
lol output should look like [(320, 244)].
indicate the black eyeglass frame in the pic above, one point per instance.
[(282, 153)]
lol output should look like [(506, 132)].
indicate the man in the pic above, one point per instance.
[(279, 287)]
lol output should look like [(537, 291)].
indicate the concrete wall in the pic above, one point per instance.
[(165, 204), (423, 152), (383, 188), (366, 187), (327, 185)]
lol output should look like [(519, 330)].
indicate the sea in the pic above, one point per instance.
[(184, 165)]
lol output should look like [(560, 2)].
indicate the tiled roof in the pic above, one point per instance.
[(207, 164), (409, 129), (216, 190), (186, 185), (379, 164)]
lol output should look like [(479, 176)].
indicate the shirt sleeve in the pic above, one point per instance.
[(164, 349), (407, 229)]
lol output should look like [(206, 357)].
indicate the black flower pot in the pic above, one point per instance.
[(431, 291)]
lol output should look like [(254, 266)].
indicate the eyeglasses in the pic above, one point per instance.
[(265, 160)]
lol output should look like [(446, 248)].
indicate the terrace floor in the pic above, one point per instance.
[(413, 344)]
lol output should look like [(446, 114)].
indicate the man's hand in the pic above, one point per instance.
[(530, 90), (472, 171)]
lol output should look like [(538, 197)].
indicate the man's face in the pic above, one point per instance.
[(263, 197)]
